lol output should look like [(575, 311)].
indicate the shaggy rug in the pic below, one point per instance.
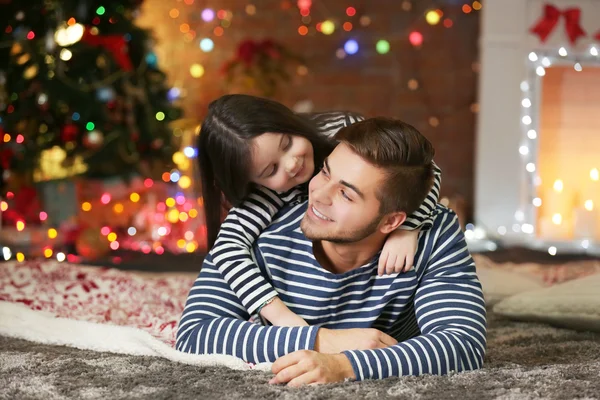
[(524, 361)]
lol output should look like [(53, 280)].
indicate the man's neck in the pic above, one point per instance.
[(339, 258)]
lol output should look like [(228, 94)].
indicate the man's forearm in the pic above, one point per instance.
[(436, 353), (246, 340)]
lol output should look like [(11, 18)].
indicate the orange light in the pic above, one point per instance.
[(166, 177), (302, 30), (466, 8), (86, 206), (48, 253), (118, 208), (347, 26), (71, 21), (174, 13), (218, 31)]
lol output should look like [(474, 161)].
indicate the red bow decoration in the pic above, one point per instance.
[(115, 44), (548, 22)]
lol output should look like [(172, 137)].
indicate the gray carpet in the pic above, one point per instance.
[(524, 361)]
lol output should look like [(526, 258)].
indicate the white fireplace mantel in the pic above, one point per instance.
[(505, 45)]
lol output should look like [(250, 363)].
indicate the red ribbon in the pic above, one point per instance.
[(548, 22), (115, 44)]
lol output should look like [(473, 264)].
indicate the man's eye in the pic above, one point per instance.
[(346, 196)]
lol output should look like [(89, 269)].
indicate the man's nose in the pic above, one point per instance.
[(322, 193)]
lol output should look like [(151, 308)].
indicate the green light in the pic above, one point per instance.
[(160, 116), (101, 10), (382, 46), (90, 126)]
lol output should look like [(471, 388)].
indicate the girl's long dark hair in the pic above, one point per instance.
[(224, 153)]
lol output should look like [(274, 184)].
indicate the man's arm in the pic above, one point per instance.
[(450, 311), (215, 322)]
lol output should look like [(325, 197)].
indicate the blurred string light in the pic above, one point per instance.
[(433, 17), (382, 46), (206, 45), (351, 46), (208, 15)]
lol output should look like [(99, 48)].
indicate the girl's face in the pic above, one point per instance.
[(281, 161)]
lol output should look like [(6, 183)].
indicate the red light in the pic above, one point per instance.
[(30, 35), (415, 38), (350, 11)]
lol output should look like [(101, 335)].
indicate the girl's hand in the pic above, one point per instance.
[(398, 252), (278, 314)]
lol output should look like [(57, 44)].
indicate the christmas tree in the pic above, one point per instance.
[(80, 77)]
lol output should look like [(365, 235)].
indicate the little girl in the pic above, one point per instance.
[(256, 154)]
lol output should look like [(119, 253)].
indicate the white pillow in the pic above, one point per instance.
[(499, 284), (574, 304)]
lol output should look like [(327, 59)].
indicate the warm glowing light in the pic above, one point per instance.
[(60, 257), (185, 182), (173, 216), (105, 198), (105, 230), (86, 206), (189, 235), (118, 208), (112, 237), (595, 174), (589, 205), (170, 202), (302, 30), (327, 27), (193, 213), (433, 17), (134, 197), (114, 245), (47, 253), (181, 243), (183, 216), (557, 219), (69, 35), (20, 257), (174, 13), (552, 250), (196, 70), (3, 206), (52, 233), (558, 186), (350, 11), (20, 225), (190, 247)]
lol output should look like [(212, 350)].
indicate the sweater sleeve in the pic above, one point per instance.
[(214, 321), (232, 250), (423, 217), (450, 312), (329, 123)]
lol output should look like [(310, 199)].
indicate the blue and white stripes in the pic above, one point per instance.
[(436, 311), (243, 225)]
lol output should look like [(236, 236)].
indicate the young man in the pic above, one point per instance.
[(321, 255)]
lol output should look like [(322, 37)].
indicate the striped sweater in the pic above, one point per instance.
[(237, 236), (436, 310)]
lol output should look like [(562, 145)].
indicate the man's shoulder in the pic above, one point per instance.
[(443, 217), (287, 219)]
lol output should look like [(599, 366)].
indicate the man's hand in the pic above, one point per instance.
[(307, 367), (333, 341)]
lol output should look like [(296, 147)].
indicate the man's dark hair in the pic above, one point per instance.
[(402, 151)]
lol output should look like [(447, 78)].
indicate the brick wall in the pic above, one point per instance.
[(445, 66)]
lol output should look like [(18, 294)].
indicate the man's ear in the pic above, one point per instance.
[(390, 222)]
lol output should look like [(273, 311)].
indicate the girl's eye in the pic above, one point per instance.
[(346, 196), (288, 144), (324, 172), (273, 171)]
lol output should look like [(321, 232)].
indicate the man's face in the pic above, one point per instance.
[(342, 205)]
